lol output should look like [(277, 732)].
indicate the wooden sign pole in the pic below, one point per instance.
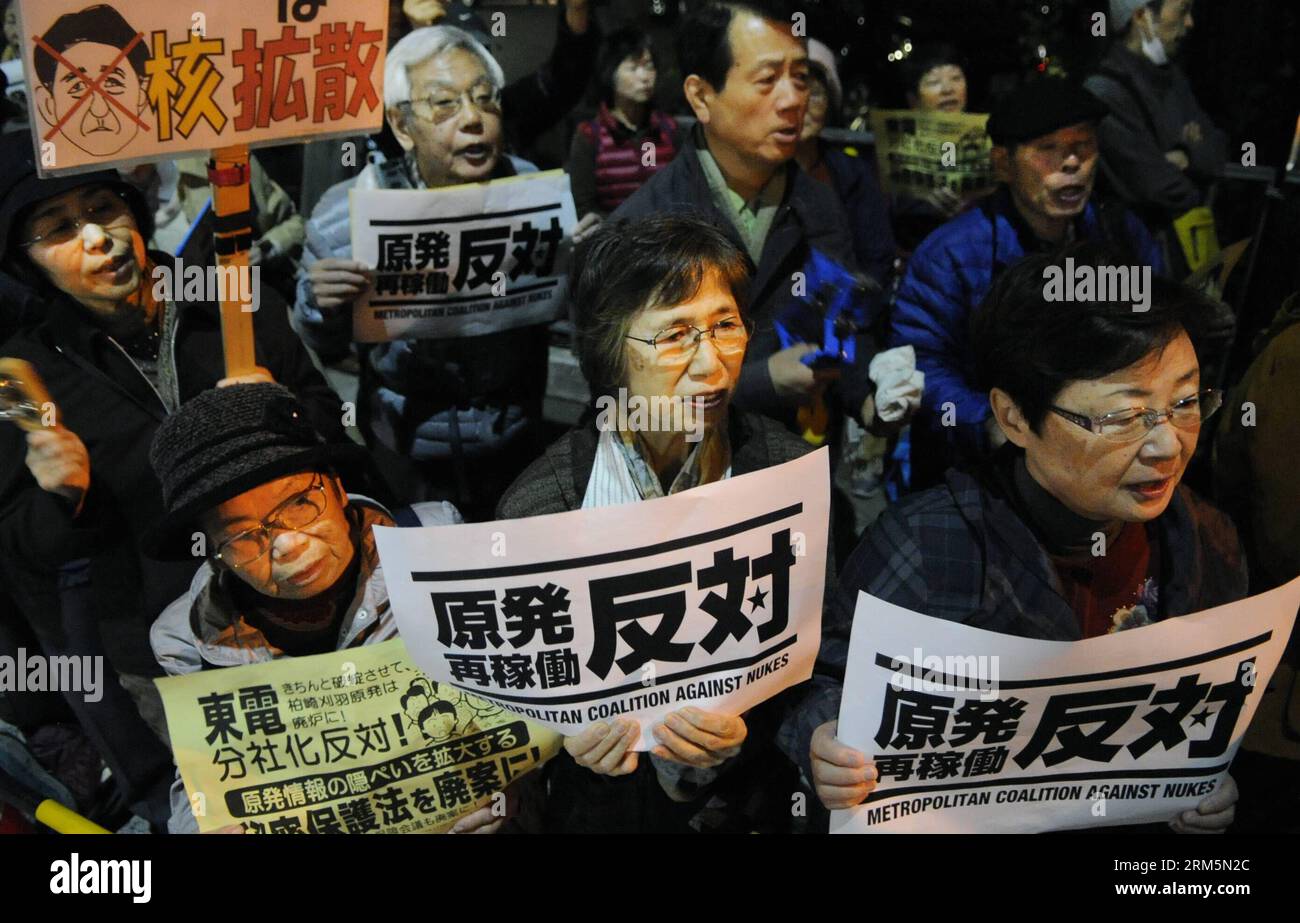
[(228, 172)]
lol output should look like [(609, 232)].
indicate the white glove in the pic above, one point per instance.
[(898, 383)]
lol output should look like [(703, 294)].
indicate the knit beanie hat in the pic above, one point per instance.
[(226, 441), (1121, 13), (824, 59)]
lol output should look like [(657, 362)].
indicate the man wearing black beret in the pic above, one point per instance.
[(1045, 158), (290, 566)]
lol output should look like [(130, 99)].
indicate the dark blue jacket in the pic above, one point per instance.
[(809, 217), (867, 210), (104, 398), (949, 275), (962, 552)]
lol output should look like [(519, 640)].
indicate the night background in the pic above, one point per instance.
[(1240, 58)]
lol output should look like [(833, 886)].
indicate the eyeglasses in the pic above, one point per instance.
[(1136, 422), (678, 343), (108, 209), (442, 105), (293, 515)]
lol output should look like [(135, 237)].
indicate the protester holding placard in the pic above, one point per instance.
[(934, 80), (291, 567), (431, 409), (1079, 526), (532, 104), (746, 80), (1045, 156), (661, 316), (76, 496)]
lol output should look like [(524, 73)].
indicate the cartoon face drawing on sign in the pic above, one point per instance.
[(91, 80), (480, 709), (440, 711), (437, 721), (418, 695), (429, 709)]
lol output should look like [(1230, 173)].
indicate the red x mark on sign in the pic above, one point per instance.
[(94, 84)]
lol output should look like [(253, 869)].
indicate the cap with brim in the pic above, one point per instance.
[(1041, 107), (227, 441)]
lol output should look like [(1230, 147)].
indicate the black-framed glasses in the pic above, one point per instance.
[(679, 342), (1136, 422), (294, 514), (106, 207), (442, 105)]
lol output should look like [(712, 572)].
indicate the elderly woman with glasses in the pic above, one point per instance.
[(78, 289), (661, 321), (451, 418), (1078, 526), (289, 560)]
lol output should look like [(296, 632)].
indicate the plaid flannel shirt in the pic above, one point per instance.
[(961, 552)]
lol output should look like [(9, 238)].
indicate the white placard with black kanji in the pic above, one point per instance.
[(711, 598), (972, 731), (463, 260)]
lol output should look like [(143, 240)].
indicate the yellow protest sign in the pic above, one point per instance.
[(355, 741), (919, 151), (117, 83), (1198, 237)]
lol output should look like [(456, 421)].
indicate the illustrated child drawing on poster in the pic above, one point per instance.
[(442, 712)]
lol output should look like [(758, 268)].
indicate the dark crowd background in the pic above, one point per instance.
[(1241, 60)]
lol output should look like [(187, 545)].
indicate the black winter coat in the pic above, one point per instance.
[(755, 789), (103, 398), (810, 217)]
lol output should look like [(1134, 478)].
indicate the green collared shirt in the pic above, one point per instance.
[(752, 219)]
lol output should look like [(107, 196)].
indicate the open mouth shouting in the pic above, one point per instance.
[(307, 574), (118, 269), (1069, 198), (1151, 491), (476, 155), (709, 402), (788, 134)]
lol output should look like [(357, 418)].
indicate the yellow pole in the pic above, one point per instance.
[(228, 172), (61, 820), (46, 810)]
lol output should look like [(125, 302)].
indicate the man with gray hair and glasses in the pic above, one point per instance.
[(430, 409)]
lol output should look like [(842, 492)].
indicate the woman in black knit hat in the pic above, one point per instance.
[(76, 496), (290, 566)]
